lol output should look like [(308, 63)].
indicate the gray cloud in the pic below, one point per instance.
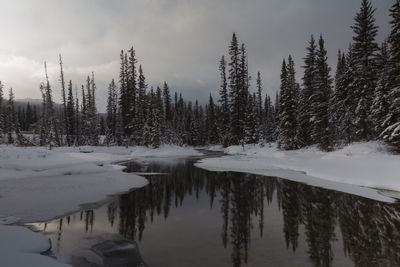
[(179, 41)]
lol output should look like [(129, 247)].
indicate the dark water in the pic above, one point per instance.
[(193, 217)]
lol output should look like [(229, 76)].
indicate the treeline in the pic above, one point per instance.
[(360, 103), (363, 104)]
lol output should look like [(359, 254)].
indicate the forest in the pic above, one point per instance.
[(359, 102)]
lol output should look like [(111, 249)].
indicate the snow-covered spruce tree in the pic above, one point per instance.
[(119, 131), (321, 133), (29, 117), (48, 129), (168, 133), (236, 88), (158, 118), (102, 126), (167, 103), (347, 128), (1, 113), (149, 124), (141, 105), (152, 128), (179, 120), (338, 99), (224, 115), (78, 118), (365, 76), (211, 125), (195, 126), (202, 127), (90, 120), (251, 135), (188, 121), (64, 103), (270, 120), (287, 109), (160, 115), (132, 94), (277, 107), (380, 104), (112, 107), (70, 116), (124, 95), (83, 119), (243, 90), (391, 134), (261, 115), (309, 87), (10, 120)]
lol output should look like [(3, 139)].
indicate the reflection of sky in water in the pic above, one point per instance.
[(300, 225)]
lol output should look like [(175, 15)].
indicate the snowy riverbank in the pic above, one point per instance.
[(37, 184), (354, 169)]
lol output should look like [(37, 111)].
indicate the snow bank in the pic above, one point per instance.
[(23, 247), (361, 164)]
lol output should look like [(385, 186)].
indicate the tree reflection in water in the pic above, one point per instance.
[(370, 229)]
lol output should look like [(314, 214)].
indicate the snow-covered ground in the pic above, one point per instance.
[(359, 169), (37, 184)]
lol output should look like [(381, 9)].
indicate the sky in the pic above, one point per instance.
[(177, 41)]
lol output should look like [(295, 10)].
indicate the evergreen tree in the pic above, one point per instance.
[(102, 126), (194, 130), (270, 120), (84, 118), (365, 76), (224, 118), (77, 119), (338, 100), (48, 130), (1, 112), (309, 87), (152, 128), (112, 107), (35, 118), (261, 119), (70, 116), (287, 115), (124, 97), (380, 104), (131, 91), (10, 118), (236, 90), (251, 134), (167, 103), (64, 102), (167, 127), (212, 130), (391, 134), (141, 105), (29, 117), (320, 100), (348, 127), (93, 119)]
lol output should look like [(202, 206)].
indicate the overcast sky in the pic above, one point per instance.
[(179, 41)]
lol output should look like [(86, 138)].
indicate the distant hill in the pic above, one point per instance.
[(32, 101), (38, 103)]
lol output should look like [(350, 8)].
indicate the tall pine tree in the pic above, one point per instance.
[(321, 132), (365, 76), (309, 87), (391, 134)]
